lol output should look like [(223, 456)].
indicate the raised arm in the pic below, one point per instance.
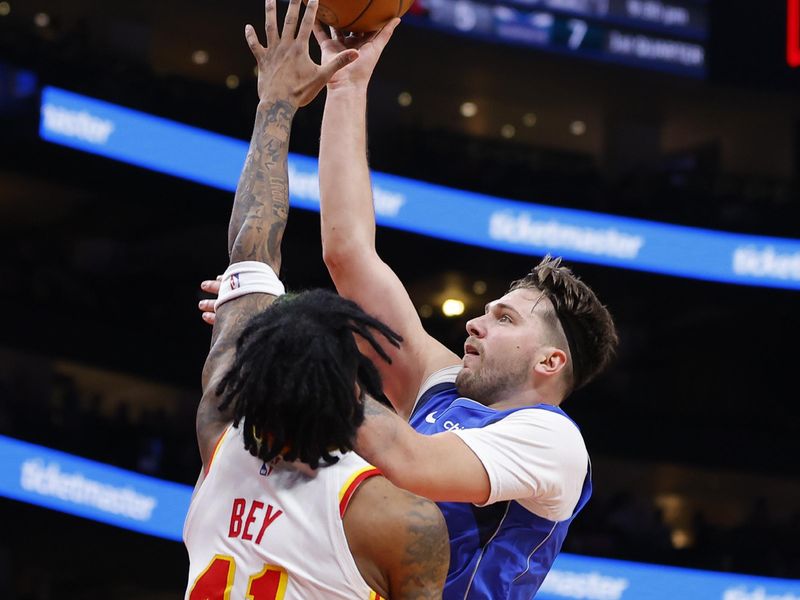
[(287, 79), (348, 224)]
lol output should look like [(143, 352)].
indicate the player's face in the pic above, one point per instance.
[(501, 350)]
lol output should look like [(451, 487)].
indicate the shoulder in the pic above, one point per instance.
[(536, 429), (555, 432), (534, 456), (552, 423), (400, 517), (442, 380), (447, 374), (401, 535)]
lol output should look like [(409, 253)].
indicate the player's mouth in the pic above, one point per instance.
[(470, 350)]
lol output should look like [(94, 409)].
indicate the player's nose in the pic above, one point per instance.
[(475, 327)]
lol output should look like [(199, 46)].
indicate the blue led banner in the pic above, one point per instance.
[(92, 490), (585, 578), (445, 213), (89, 489)]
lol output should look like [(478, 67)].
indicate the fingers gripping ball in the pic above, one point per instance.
[(360, 16)]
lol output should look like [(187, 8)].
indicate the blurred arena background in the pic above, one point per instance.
[(677, 112)]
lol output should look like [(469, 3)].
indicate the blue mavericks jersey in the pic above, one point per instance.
[(501, 551)]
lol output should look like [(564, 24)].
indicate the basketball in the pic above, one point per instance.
[(360, 15)]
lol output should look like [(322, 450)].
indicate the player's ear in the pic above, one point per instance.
[(550, 361)]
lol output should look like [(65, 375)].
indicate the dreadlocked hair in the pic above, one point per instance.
[(588, 326), (293, 381)]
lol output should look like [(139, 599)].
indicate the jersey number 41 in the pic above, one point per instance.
[(216, 581)]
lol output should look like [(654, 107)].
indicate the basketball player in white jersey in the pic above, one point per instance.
[(283, 509)]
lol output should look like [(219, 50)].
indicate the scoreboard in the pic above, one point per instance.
[(667, 35)]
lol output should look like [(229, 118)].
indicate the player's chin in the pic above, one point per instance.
[(464, 377), (470, 359)]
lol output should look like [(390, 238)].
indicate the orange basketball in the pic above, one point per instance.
[(360, 15)]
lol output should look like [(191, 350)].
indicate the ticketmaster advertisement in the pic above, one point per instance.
[(85, 488), (585, 578), (93, 490), (436, 211)]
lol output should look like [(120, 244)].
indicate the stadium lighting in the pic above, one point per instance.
[(577, 128), (232, 82), (469, 109), (452, 307), (200, 57)]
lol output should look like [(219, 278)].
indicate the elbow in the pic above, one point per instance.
[(332, 253), (341, 253)]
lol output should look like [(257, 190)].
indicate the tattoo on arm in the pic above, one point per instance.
[(229, 324), (255, 229), (261, 205), (427, 553), (231, 321), (258, 219)]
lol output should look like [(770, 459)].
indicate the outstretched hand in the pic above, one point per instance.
[(285, 68), (369, 46)]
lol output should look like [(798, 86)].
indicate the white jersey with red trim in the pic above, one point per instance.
[(261, 532)]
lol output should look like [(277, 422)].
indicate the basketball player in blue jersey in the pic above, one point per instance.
[(481, 434)]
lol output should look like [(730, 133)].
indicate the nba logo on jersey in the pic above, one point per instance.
[(234, 281)]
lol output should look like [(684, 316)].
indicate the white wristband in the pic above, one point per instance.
[(248, 277)]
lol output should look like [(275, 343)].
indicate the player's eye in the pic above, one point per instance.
[(504, 319)]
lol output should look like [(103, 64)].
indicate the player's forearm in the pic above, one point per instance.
[(261, 205), (403, 455), (387, 442), (440, 467), (258, 218), (348, 218)]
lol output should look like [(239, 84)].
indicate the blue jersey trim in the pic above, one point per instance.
[(485, 546), (530, 556), (428, 394)]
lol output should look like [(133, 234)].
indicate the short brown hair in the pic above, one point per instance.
[(588, 326)]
